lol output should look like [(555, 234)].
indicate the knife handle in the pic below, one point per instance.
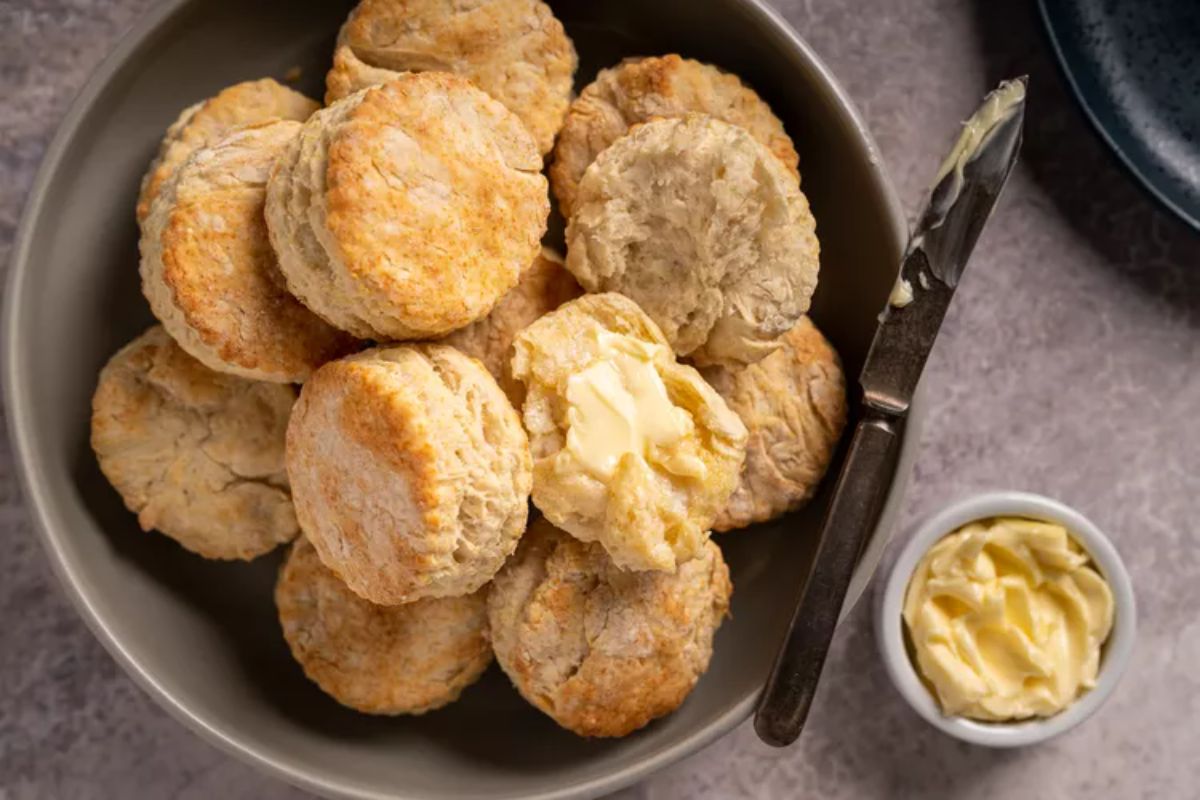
[(857, 501)]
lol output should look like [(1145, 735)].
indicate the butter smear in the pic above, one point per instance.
[(619, 405)]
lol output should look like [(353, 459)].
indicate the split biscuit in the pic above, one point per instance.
[(210, 120), (640, 89), (794, 405), (696, 221), (407, 210), (210, 274), (515, 50), (631, 449), (543, 287), (196, 454), (405, 659), (601, 650), (410, 472)]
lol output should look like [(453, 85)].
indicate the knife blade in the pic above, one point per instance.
[(960, 201)]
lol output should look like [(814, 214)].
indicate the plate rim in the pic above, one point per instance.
[(33, 481), (1068, 70)]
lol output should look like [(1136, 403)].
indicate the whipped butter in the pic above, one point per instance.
[(619, 405), (1006, 619)]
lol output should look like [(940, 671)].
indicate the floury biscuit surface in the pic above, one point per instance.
[(210, 120), (210, 274), (701, 225), (196, 454), (641, 89), (410, 471), (794, 405), (631, 449), (407, 210), (602, 650), (515, 50), (405, 659)]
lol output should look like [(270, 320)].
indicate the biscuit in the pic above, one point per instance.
[(543, 287), (196, 454), (405, 659), (210, 120), (722, 252), (631, 449), (407, 210), (640, 89), (794, 405), (350, 74), (601, 650), (210, 274), (515, 50), (410, 472)]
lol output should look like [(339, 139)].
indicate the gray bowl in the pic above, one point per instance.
[(202, 636)]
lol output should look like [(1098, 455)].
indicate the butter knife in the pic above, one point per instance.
[(961, 199)]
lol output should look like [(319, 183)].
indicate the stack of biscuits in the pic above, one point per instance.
[(384, 254)]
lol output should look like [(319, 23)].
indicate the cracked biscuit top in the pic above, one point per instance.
[(410, 472), (601, 650), (515, 50), (405, 659), (407, 210), (794, 405), (196, 454), (631, 449)]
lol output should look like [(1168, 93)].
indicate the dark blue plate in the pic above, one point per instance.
[(1135, 67)]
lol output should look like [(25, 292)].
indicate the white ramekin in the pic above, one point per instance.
[(889, 625)]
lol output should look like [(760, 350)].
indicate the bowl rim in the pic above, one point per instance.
[(51, 530), (889, 627)]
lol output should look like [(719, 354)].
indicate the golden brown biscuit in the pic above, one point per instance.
[(405, 659), (209, 120), (543, 287), (410, 472), (210, 274), (407, 210), (601, 650), (194, 453), (794, 405), (722, 253), (631, 449), (515, 50), (350, 74), (640, 89)]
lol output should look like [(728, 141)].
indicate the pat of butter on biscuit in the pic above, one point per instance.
[(619, 405)]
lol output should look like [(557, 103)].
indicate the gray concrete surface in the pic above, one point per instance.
[(1070, 365)]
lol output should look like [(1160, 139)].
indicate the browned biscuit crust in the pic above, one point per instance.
[(210, 274), (640, 89), (515, 50), (794, 405), (194, 453), (407, 210), (601, 650), (405, 659), (410, 471), (209, 120)]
